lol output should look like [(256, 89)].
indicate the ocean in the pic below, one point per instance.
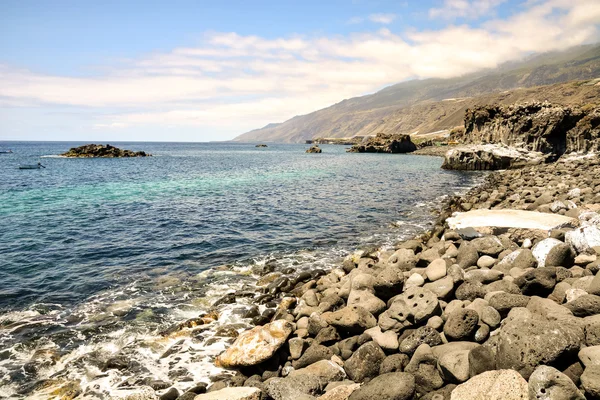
[(99, 256)]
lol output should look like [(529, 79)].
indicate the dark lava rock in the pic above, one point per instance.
[(461, 324), (365, 362), (171, 394), (424, 334), (561, 255), (394, 363), (313, 354), (386, 143), (504, 302), (481, 359), (100, 151), (540, 281), (470, 291), (391, 386)]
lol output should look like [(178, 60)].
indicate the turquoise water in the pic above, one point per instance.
[(83, 225), (99, 256)]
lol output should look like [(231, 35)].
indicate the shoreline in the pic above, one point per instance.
[(337, 329)]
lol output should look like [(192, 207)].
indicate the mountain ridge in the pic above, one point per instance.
[(430, 99)]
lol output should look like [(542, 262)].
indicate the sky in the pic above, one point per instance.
[(184, 70)]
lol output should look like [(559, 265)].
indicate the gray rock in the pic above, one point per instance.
[(504, 302), (583, 239), (491, 316), (293, 387), (327, 336), (442, 288), (394, 363), (592, 330), (424, 334), (296, 346), (493, 385), (436, 270), (590, 355), (325, 370), (461, 324), (525, 260), (594, 287), (470, 291), (391, 386), (525, 342), (481, 359), (367, 300), (585, 305), (365, 362), (403, 259), (547, 383), (467, 255), (542, 249), (386, 340), (414, 306), (561, 255), (488, 245), (314, 353)]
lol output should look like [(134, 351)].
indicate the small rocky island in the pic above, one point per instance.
[(314, 149), (101, 151), (385, 143), (261, 145)]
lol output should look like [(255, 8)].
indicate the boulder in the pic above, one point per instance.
[(299, 387), (352, 319), (488, 158), (525, 342), (256, 345), (325, 370), (584, 306), (590, 356), (424, 334), (365, 362), (314, 149), (391, 386), (314, 353), (461, 324), (386, 340), (488, 245), (100, 151), (547, 383), (493, 385), (584, 239), (454, 366)]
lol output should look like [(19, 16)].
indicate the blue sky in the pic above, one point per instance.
[(205, 70)]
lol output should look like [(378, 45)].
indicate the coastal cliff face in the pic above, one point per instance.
[(543, 127), (504, 137), (385, 143)]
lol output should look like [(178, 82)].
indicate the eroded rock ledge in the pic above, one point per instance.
[(101, 151)]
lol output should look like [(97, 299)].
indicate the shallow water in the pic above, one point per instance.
[(99, 255)]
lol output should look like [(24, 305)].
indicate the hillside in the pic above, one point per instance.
[(436, 104)]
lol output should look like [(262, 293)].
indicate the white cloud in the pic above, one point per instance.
[(465, 8), (235, 83), (382, 18)]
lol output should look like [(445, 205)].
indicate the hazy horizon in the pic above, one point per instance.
[(200, 72)]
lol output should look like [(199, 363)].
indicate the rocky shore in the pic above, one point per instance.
[(385, 143), (492, 308), (101, 151)]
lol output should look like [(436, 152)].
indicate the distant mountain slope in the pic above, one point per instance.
[(419, 104)]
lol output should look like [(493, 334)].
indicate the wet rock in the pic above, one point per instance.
[(365, 362), (461, 324), (256, 345), (493, 385), (171, 394), (390, 386), (353, 319), (547, 383)]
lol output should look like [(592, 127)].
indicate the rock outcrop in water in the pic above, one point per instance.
[(385, 143), (528, 129), (101, 151), (314, 149)]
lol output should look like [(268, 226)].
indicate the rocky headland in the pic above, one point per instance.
[(102, 151), (385, 143), (503, 137), (490, 307)]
